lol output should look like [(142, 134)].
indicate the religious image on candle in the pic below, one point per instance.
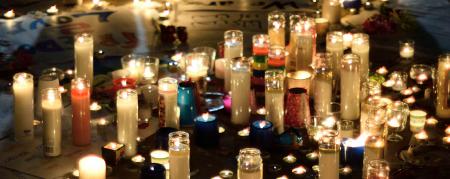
[(127, 120), (276, 21), (23, 106), (84, 56), (350, 87), (51, 116), (234, 41)]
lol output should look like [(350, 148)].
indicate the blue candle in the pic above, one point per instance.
[(352, 153), (206, 133), (261, 134), (153, 171), (186, 102)]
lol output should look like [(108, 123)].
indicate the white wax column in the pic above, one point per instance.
[(92, 167), (276, 25), (230, 52), (23, 106), (51, 115), (328, 164), (275, 109), (45, 81), (350, 87), (360, 46), (219, 68), (304, 51), (240, 94), (331, 10), (84, 56), (127, 120), (443, 87), (168, 89), (243, 174), (322, 95), (335, 46)]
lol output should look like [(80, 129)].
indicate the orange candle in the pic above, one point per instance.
[(81, 114)]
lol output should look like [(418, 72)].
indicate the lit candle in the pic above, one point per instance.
[(417, 120), (331, 10), (299, 79), (399, 79), (373, 150), (446, 140), (161, 157), (360, 47), (274, 102), (45, 81), (276, 22), (443, 89), (348, 38), (196, 66), (250, 164), (205, 130), (112, 153), (335, 46), (261, 134), (51, 115), (406, 49), (9, 14), (23, 106), (127, 120), (244, 132), (322, 83), (329, 156), (350, 87), (277, 57), (219, 68), (168, 89), (153, 171), (151, 69), (124, 82), (138, 159), (233, 48), (81, 114), (352, 151), (410, 100), (421, 137), (179, 152), (304, 49), (312, 155), (260, 51), (321, 25), (432, 121), (240, 91), (52, 10), (84, 56), (388, 83), (382, 70), (406, 92), (447, 130), (92, 167), (290, 159), (377, 169), (135, 65), (300, 170)]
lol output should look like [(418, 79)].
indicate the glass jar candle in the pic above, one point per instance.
[(335, 46), (233, 47), (398, 80), (292, 47), (151, 69), (350, 87), (406, 49), (417, 119), (304, 48), (196, 66), (378, 169), (49, 80), (331, 10), (240, 91), (443, 87), (373, 116), (329, 155), (80, 94), (421, 73), (297, 108), (51, 116), (168, 109), (277, 57), (276, 28), (274, 98), (179, 155), (260, 51), (134, 64), (84, 56), (127, 120), (299, 79), (211, 53), (322, 83), (361, 47), (397, 115), (250, 164)]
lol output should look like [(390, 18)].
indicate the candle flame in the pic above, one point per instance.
[(446, 139), (262, 124), (52, 9), (10, 14), (299, 170), (382, 70), (432, 121), (409, 100), (205, 116), (447, 130), (422, 135), (422, 77), (123, 83)]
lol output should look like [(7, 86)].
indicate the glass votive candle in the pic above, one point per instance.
[(348, 38), (299, 79), (399, 79), (211, 53), (151, 69), (417, 119), (277, 57), (378, 169), (261, 134), (196, 66), (205, 130), (420, 73), (161, 157), (134, 63), (250, 163), (397, 115), (406, 49), (370, 88), (345, 128)]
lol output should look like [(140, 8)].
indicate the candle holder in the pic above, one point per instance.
[(304, 47), (297, 108), (154, 171), (250, 164), (335, 46), (277, 22), (350, 87), (160, 156), (179, 154), (84, 56), (233, 47), (240, 91), (361, 47), (399, 80), (406, 49), (277, 57), (112, 152), (331, 10), (442, 87), (378, 169), (211, 53), (417, 119), (261, 134), (314, 128), (373, 116), (206, 130), (329, 155), (397, 115), (168, 112), (322, 83), (373, 150), (45, 81), (151, 70), (187, 103), (299, 79), (81, 113), (51, 111), (196, 66), (91, 166), (370, 88), (134, 63), (274, 94), (260, 51), (127, 120), (420, 73), (345, 129)]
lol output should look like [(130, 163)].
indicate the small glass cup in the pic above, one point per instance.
[(397, 115), (399, 79), (345, 128), (250, 163), (406, 48), (420, 73), (134, 63), (378, 169), (151, 69), (211, 53)]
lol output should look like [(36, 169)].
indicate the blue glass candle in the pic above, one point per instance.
[(261, 134), (352, 153), (206, 133), (186, 102), (153, 171)]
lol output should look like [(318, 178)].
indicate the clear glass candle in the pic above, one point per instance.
[(361, 47), (331, 10), (292, 47), (51, 116), (260, 51), (168, 93), (276, 28), (304, 48), (277, 57), (84, 56), (250, 164), (421, 73), (397, 115), (406, 49), (196, 66), (179, 155), (350, 84), (378, 169), (134, 63), (329, 147), (335, 46), (233, 47), (127, 120), (240, 91), (151, 70), (211, 53), (443, 87), (299, 79), (373, 116), (274, 94), (322, 83)]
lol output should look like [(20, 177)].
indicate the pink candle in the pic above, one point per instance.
[(81, 114)]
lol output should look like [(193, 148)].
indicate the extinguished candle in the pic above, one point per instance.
[(92, 167), (179, 154), (443, 87), (277, 23), (240, 91), (331, 10), (23, 106), (81, 114), (51, 115), (84, 56), (127, 120), (274, 94), (233, 48), (350, 87), (361, 47), (168, 112)]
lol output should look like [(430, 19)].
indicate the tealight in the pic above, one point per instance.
[(76, 173), (388, 83), (244, 132), (161, 157), (261, 111), (406, 92), (95, 106), (226, 173), (447, 130), (422, 135), (216, 177), (9, 14), (312, 156), (290, 159), (315, 168), (221, 129), (61, 89), (406, 49), (446, 140), (346, 170), (300, 170), (432, 121), (410, 100), (52, 10), (382, 70), (102, 122), (69, 72), (415, 89), (138, 159), (282, 177)]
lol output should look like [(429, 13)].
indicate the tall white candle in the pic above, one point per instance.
[(335, 46), (331, 10), (233, 48), (51, 115), (240, 91), (45, 81), (329, 156), (276, 22), (443, 87), (305, 42), (179, 154), (292, 47), (322, 84), (361, 47), (84, 56), (168, 89), (274, 93), (92, 167), (127, 120), (23, 106), (350, 87)]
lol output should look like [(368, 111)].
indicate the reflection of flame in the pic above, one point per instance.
[(10, 14), (124, 83), (422, 135), (262, 124)]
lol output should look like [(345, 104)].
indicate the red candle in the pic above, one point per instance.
[(122, 83), (81, 114), (277, 56), (260, 44), (260, 50)]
